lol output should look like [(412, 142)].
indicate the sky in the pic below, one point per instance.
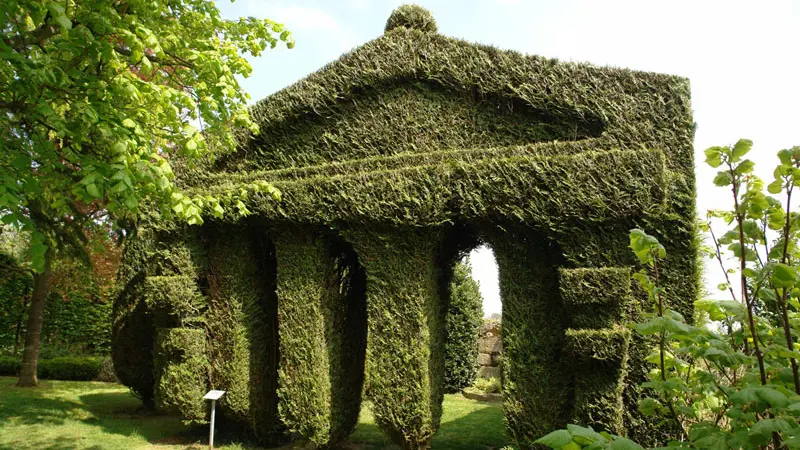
[(741, 57)]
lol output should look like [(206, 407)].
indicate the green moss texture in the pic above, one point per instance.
[(392, 162)]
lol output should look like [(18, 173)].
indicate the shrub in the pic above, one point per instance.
[(464, 317), (9, 366), (489, 385), (70, 368)]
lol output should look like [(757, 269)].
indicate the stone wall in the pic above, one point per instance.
[(490, 350)]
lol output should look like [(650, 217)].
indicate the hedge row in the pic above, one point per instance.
[(72, 368)]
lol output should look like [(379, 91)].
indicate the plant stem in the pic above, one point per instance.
[(742, 266), (787, 331), (661, 346)]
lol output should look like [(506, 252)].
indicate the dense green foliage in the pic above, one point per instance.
[(464, 319), (733, 385), (411, 16), (78, 310), (322, 331), (70, 150), (402, 155), (181, 372), (75, 368)]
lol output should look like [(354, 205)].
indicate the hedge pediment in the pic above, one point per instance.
[(410, 91), (410, 116)]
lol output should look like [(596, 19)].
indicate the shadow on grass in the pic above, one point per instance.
[(61, 416), (481, 429), (120, 413)]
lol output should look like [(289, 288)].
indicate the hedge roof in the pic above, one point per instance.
[(326, 157), (632, 106)]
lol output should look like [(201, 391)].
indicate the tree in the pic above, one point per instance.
[(464, 319), (99, 96)]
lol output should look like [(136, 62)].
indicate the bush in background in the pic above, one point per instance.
[(464, 319), (488, 385), (69, 368)]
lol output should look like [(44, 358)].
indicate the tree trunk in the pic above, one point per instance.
[(30, 355)]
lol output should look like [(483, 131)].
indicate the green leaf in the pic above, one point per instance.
[(93, 190), (58, 13), (775, 187), (714, 156), (621, 443), (744, 167), (784, 276), (723, 179), (21, 162), (128, 123), (741, 148), (556, 440), (785, 157), (774, 398)]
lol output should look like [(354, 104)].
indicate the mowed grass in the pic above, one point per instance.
[(62, 415)]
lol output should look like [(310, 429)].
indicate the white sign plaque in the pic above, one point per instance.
[(213, 395)]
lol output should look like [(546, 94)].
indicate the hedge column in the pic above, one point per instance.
[(405, 341), (304, 393), (535, 380), (242, 325), (321, 326), (597, 301)]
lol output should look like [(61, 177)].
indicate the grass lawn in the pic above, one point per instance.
[(62, 415)]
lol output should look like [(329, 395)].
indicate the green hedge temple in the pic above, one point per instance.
[(392, 162)]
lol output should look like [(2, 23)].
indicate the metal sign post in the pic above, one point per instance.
[(213, 396)]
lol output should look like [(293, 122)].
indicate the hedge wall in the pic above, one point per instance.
[(322, 330), (181, 372), (536, 385)]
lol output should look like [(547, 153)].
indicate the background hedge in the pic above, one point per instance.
[(70, 368), (464, 320)]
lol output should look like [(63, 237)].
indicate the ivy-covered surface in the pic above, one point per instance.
[(390, 161)]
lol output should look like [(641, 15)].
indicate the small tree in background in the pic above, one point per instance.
[(464, 319)]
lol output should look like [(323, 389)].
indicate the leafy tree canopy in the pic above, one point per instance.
[(99, 95)]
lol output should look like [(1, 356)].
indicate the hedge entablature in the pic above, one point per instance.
[(391, 161)]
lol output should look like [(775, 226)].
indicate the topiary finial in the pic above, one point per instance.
[(412, 17)]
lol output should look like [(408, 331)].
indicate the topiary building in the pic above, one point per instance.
[(393, 161)]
